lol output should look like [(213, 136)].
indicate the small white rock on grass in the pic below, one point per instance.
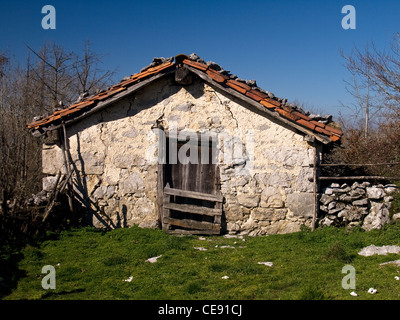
[(354, 294), (230, 236), (154, 259), (129, 279), (200, 248), (267, 263), (372, 291), (225, 277)]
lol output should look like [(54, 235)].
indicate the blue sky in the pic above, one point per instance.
[(290, 47)]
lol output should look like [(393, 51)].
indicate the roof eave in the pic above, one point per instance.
[(37, 132)]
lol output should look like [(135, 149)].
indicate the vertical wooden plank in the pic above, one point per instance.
[(202, 166), (68, 159), (162, 157), (188, 176), (315, 187), (160, 193), (218, 205), (166, 212), (217, 219)]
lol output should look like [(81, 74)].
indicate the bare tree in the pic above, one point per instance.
[(52, 74), (375, 134), (62, 76), (89, 75), (375, 83), (360, 87), (18, 151)]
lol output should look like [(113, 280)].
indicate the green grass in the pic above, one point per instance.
[(92, 264)]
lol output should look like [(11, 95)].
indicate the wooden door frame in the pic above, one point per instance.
[(161, 179)]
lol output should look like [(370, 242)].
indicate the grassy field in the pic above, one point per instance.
[(93, 264)]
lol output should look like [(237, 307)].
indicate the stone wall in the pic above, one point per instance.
[(265, 185), (360, 204)]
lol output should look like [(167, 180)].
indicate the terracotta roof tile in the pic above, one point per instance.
[(34, 124), (197, 65), (288, 115), (256, 95), (318, 124), (83, 106), (57, 112), (335, 138), (268, 104), (302, 116), (215, 75), (306, 124), (322, 130), (287, 109), (273, 102), (238, 86), (334, 130), (155, 69)]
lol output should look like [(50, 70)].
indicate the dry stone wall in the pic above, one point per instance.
[(359, 204)]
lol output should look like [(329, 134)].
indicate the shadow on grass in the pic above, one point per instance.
[(9, 272), (55, 294)]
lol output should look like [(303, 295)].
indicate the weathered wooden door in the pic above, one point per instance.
[(199, 177), (192, 199)]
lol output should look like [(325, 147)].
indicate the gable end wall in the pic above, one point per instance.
[(265, 185)]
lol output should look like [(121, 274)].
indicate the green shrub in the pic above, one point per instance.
[(338, 252)]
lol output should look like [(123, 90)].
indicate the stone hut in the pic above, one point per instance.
[(186, 146)]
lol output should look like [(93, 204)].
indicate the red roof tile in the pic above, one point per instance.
[(238, 86), (318, 124), (334, 130), (256, 95), (84, 105), (322, 130), (302, 116), (272, 104), (288, 115), (268, 104), (197, 65), (307, 124), (282, 112), (335, 138), (215, 75)]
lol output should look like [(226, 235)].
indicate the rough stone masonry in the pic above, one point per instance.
[(113, 151), (360, 204)]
